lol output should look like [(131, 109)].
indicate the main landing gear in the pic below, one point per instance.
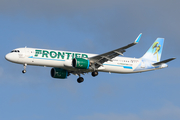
[(81, 79), (24, 71), (95, 73)]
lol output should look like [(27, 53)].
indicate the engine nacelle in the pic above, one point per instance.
[(59, 73), (80, 63)]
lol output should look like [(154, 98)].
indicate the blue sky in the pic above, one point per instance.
[(93, 27)]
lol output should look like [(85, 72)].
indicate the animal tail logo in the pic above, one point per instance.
[(155, 51)]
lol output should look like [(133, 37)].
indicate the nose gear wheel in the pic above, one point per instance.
[(24, 71)]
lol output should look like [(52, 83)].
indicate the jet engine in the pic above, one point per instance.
[(80, 63), (59, 73)]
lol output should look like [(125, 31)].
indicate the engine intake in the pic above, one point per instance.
[(80, 63), (59, 73)]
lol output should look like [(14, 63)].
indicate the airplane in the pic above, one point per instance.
[(64, 63)]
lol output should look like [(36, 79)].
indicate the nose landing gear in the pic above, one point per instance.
[(24, 71)]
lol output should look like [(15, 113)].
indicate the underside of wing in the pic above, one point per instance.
[(98, 60)]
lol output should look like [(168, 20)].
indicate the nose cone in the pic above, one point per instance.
[(7, 57), (10, 57)]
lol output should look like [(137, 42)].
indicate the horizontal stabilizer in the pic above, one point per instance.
[(164, 61)]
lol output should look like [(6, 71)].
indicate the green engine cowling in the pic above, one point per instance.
[(80, 63), (59, 73)]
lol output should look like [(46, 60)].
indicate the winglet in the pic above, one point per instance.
[(138, 38)]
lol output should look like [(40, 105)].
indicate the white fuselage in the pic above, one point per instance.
[(63, 59)]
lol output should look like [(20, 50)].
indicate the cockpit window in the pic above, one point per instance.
[(15, 51)]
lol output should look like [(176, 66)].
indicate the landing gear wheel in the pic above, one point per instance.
[(23, 71), (80, 79), (95, 73)]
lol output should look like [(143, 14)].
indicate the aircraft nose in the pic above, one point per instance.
[(11, 57), (7, 57)]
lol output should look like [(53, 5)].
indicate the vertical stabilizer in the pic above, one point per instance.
[(155, 51)]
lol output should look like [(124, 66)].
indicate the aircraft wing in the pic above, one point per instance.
[(98, 60)]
